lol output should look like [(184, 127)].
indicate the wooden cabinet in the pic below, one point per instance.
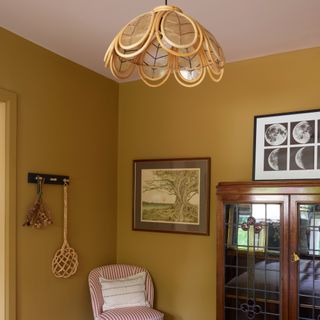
[(268, 250)]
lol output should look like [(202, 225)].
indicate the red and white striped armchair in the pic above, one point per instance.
[(120, 271)]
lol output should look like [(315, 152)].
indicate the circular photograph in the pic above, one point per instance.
[(275, 159), (276, 134), (302, 158), (302, 132)]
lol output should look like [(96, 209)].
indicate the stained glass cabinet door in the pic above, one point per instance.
[(305, 257), (253, 261), (253, 254)]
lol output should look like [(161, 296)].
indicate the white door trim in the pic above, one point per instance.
[(10, 101)]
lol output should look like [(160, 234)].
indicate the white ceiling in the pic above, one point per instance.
[(81, 30)]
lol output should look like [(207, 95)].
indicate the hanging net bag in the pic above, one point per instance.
[(65, 261)]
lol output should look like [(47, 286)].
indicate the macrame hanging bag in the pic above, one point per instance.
[(65, 261)]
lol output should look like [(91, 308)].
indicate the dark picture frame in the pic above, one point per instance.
[(287, 146), (172, 195)]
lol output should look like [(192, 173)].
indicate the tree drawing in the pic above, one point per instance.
[(183, 186)]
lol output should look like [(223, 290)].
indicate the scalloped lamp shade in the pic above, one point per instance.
[(164, 41)]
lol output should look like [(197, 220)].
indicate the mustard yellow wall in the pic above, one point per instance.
[(214, 120), (67, 124)]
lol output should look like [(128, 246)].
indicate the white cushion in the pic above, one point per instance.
[(125, 292)]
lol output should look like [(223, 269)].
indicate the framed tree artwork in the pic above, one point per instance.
[(172, 195), (287, 146)]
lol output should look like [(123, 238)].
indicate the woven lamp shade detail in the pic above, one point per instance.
[(162, 42)]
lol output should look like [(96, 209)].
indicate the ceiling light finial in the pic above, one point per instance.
[(164, 41)]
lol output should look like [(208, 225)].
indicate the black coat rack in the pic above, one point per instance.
[(47, 178)]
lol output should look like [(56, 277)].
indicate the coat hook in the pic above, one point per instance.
[(40, 181)]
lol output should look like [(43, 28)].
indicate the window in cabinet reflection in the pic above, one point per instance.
[(253, 227), (309, 242)]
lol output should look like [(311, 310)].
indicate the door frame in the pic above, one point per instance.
[(10, 101)]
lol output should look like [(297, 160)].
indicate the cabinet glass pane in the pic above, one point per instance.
[(252, 261), (309, 263)]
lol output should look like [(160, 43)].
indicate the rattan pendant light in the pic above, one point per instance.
[(162, 42)]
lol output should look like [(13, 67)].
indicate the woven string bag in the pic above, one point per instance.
[(65, 261)]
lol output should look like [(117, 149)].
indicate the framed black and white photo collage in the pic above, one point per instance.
[(287, 146)]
